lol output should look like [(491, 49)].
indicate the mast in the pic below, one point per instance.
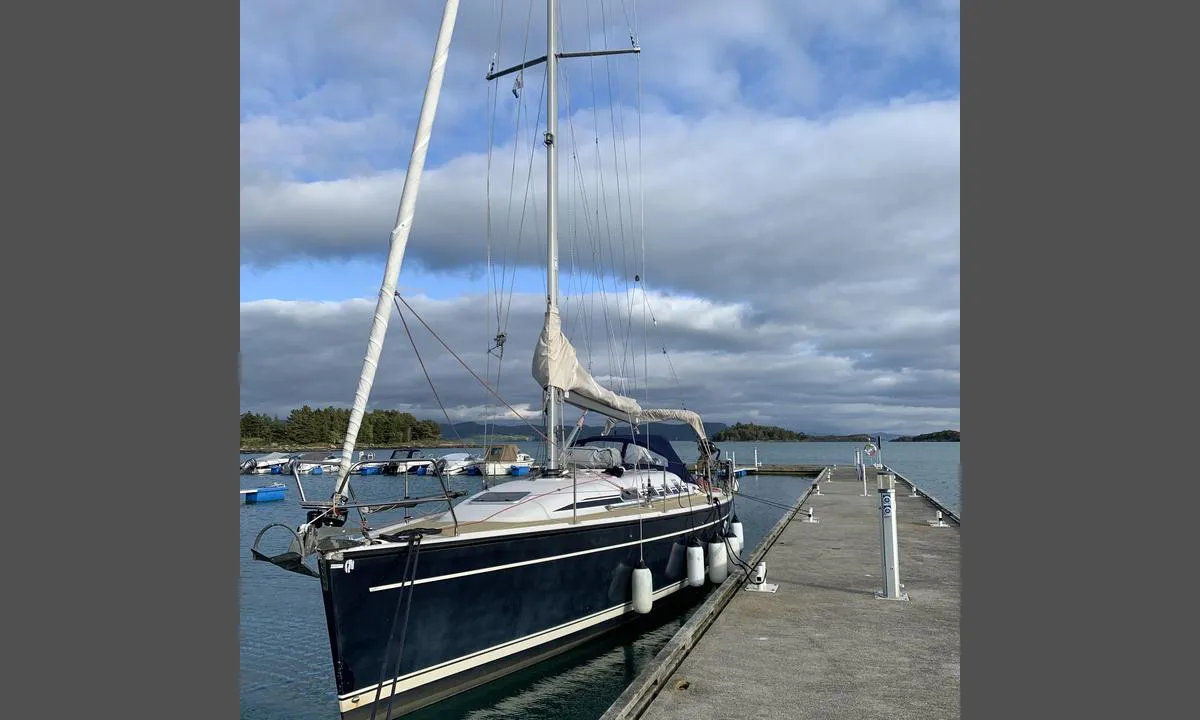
[(399, 241), (551, 140), (554, 357)]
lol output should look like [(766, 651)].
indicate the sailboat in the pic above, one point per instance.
[(424, 608), (505, 459)]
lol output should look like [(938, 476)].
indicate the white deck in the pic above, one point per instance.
[(541, 503)]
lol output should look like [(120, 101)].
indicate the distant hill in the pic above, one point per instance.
[(750, 432), (309, 428), (507, 432), (939, 436)]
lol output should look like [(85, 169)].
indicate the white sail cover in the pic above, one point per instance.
[(555, 364), (667, 414), (686, 416)]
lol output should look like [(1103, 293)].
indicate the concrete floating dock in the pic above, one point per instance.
[(823, 645), (765, 469)]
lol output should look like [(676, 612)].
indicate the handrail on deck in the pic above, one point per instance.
[(447, 494)]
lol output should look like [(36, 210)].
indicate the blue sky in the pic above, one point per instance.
[(798, 185)]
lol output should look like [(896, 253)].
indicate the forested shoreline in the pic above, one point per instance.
[(326, 427), (751, 432), (308, 428)]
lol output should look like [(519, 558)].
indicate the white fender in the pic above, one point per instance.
[(643, 589), (718, 561), (695, 563)]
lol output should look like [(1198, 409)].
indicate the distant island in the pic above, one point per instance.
[(522, 432), (750, 432), (309, 428), (939, 436)]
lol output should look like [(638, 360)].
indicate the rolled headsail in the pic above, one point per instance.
[(399, 241)]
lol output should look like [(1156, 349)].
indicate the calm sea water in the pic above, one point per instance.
[(286, 673)]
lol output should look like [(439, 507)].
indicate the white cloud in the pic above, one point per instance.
[(311, 62), (835, 221), (800, 176), (297, 353)]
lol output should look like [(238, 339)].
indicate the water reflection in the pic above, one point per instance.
[(285, 669), (580, 683)]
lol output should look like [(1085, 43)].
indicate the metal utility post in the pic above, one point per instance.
[(887, 536)]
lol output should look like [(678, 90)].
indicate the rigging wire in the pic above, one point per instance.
[(424, 370), (494, 284), (493, 97), (574, 311), (528, 199), (641, 227), (503, 295), (397, 297), (602, 203), (670, 365), (612, 267), (616, 122)]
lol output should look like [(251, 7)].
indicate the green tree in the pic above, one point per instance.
[(427, 431), (748, 432), (253, 427), (303, 426), (366, 430)]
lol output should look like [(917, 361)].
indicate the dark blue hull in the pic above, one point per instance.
[(482, 608)]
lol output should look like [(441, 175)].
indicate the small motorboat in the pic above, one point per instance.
[(318, 463), (454, 463), (271, 463), (406, 461), (267, 493)]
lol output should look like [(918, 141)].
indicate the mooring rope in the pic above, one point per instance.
[(406, 590)]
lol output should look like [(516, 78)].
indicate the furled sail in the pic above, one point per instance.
[(555, 364), (399, 242), (659, 415), (667, 414)]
